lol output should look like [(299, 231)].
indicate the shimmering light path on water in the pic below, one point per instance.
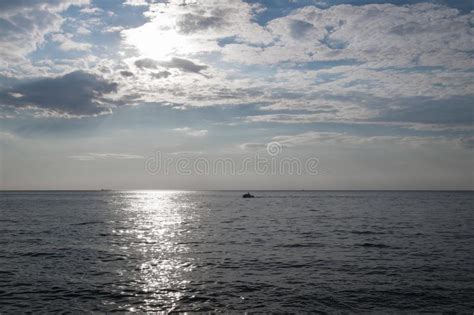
[(204, 251)]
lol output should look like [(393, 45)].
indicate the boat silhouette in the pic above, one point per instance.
[(248, 195)]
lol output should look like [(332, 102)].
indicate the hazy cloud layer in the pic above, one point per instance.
[(192, 132), (105, 156)]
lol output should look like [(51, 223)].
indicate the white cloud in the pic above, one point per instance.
[(381, 35), (105, 156), (67, 44), (439, 127), (83, 30), (377, 52), (91, 10), (113, 29), (136, 2), (6, 135), (312, 138), (291, 67), (192, 132), (194, 27), (25, 24), (253, 146)]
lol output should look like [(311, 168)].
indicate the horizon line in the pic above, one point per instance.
[(189, 190)]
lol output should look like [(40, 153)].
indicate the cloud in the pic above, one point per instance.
[(191, 23), (24, 24), (192, 132), (184, 65), (112, 29), (440, 127), (136, 2), (82, 30), (342, 50), (381, 35), (91, 10), (6, 135), (161, 74), (184, 30), (455, 110), (299, 29), (126, 74), (105, 156), (253, 146), (186, 153), (67, 44), (74, 94), (8, 7), (146, 63), (314, 138), (407, 66), (311, 117)]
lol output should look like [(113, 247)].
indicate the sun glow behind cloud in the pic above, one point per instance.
[(158, 40)]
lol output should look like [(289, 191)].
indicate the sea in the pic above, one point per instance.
[(214, 251)]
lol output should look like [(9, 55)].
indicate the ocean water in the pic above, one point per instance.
[(214, 251)]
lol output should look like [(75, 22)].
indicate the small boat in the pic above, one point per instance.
[(248, 195)]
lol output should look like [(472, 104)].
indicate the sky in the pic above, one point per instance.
[(207, 94)]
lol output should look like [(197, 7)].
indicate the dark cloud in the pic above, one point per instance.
[(299, 29), (184, 65), (126, 73), (407, 29), (146, 63), (161, 74), (74, 94), (192, 23)]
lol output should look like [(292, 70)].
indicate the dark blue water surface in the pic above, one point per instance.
[(206, 251)]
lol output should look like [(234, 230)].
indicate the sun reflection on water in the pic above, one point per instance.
[(155, 230)]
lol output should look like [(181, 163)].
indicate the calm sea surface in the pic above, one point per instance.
[(205, 251)]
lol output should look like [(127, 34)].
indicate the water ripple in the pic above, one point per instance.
[(284, 252)]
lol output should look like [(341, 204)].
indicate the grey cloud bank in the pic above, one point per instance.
[(74, 94)]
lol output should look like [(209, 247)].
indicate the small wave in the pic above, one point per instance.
[(88, 223), (8, 221), (195, 298), (5, 273), (41, 254), (366, 232), (113, 257), (374, 245), (298, 245), (228, 221)]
